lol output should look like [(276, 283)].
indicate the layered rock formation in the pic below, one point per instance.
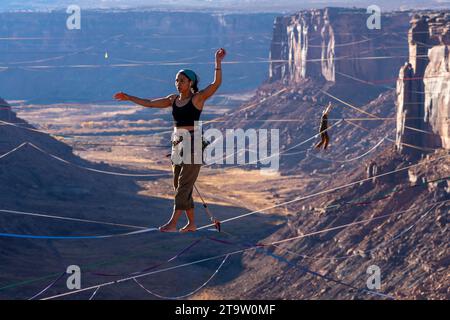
[(336, 44), (32, 69), (409, 248), (423, 91)]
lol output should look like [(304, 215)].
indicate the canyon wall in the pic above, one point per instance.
[(335, 44), (423, 91)]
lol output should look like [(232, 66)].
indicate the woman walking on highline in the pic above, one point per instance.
[(187, 106), (323, 131)]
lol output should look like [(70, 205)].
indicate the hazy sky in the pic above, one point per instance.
[(233, 5)]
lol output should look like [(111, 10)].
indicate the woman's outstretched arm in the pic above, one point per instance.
[(212, 88), (328, 109), (149, 103)]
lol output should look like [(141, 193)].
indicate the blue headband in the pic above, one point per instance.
[(189, 73)]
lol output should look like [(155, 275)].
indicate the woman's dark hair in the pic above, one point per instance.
[(194, 87)]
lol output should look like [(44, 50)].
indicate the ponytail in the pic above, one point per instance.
[(194, 87)]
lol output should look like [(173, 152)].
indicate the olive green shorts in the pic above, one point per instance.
[(184, 177)]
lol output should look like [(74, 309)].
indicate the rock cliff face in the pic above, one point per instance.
[(346, 254), (423, 91), (336, 44)]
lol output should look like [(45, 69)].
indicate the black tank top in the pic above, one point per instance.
[(185, 115)]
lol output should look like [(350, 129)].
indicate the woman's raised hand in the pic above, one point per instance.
[(121, 96), (220, 54)]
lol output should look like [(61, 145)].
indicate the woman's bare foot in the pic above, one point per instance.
[(190, 227), (168, 227)]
